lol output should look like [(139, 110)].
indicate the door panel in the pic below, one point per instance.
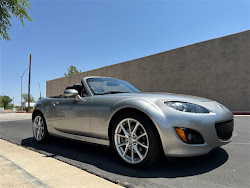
[(71, 116)]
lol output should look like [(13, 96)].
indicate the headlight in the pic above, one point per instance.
[(186, 107), (222, 107)]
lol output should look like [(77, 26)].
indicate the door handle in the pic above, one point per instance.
[(54, 103)]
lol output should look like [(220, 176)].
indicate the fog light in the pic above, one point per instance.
[(181, 134), (189, 136)]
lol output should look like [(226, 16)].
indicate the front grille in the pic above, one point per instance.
[(224, 129)]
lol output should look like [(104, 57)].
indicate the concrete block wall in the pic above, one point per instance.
[(218, 69)]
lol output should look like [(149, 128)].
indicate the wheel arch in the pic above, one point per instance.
[(37, 111), (129, 110)]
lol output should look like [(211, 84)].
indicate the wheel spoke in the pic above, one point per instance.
[(125, 151), (138, 137), (121, 144), (36, 123), (137, 151), (37, 134), (132, 155), (42, 133), (39, 121), (141, 144), (129, 126), (136, 126), (123, 136), (124, 130)]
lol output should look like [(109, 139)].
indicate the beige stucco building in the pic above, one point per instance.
[(218, 69)]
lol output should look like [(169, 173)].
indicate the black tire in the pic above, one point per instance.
[(45, 136), (155, 147)]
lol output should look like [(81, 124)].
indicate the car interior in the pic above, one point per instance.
[(78, 87)]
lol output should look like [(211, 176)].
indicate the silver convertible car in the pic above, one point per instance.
[(140, 127)]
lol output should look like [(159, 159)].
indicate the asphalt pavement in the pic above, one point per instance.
[(224, 167)]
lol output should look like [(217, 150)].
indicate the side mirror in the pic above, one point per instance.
[(78, 98), (70, 93)]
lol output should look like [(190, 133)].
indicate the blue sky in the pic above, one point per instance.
[(93, 34)]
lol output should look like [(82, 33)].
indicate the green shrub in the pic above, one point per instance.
[(31, 109)]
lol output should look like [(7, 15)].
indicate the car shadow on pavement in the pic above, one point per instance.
[(85, 156)]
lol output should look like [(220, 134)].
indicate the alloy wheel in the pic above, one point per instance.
[(38, 128), (131, 140)]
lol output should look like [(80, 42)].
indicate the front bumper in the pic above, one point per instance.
[(168, 119)]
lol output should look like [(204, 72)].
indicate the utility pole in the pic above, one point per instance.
[(40, 90), (22, 88), (13, 102), (29, 86)]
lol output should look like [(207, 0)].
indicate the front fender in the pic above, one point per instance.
[(42, 107), (139, 104)]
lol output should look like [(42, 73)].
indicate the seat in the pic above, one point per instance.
[(69, 87), (79, 88)]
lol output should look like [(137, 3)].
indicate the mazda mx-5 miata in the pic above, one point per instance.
[(139, 126)]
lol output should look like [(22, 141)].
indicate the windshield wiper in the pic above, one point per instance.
[(113, 92)]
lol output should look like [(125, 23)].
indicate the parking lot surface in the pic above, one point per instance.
[(224, 167)]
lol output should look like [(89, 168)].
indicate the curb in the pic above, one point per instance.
[(241, 112), (24, 112)]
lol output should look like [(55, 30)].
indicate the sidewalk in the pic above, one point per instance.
[(12, 116), (13, 176), (20, 167)]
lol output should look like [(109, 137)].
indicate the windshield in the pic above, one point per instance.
[(100, 86)]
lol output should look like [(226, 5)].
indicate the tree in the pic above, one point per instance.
[(9, 8), (25, 98), (10, 106), (72, 70), (5, 101)]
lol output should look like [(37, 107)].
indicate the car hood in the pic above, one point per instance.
[(166, 96)]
